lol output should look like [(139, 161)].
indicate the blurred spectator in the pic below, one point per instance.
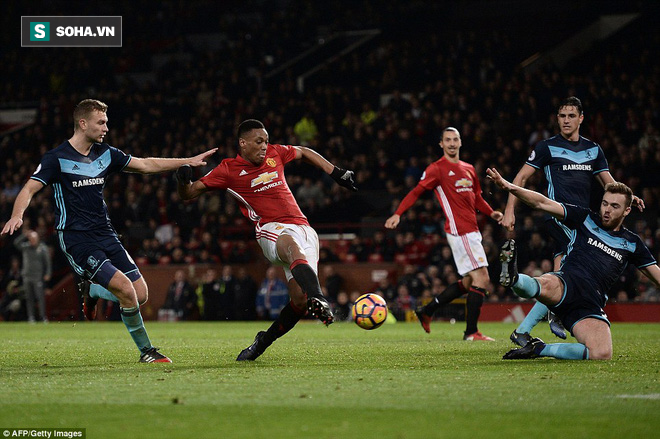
[(209, 290), (342, 308), (12, 305), (272, 296), (227, 285), (333, 282), (36, 271), (181, 300), (404, 305), (386, 289), (245, 296)]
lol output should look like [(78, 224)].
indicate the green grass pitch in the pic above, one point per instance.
[(317, 382)]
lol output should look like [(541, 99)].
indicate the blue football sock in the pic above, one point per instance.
[(532, 319), (133, 321), (566, 351), (97, 291), (526, 287)]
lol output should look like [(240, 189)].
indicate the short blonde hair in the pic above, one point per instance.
[(619, 188), (85, 108)]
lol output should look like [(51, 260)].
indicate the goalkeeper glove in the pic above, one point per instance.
[(184, 174), (344, 177)]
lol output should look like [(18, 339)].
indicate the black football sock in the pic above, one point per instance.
[(450, 293), (475, 298), (308, 280), (287, 319)]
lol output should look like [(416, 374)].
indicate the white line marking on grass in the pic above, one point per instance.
[(648, 396)]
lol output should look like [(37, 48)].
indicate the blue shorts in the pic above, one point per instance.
[(561, 235), (97, 255), (579, 301)]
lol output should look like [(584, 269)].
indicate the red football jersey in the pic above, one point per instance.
[(458, 190), (262, 190)]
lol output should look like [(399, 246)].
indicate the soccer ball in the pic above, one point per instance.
[(369, 311)]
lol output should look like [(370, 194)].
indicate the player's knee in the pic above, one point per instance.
[(142, 297), (600, 353), (142, 293), (123, 289)]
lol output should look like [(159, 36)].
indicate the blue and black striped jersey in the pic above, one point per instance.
[(597, 255), (78, 183), (569, 167)]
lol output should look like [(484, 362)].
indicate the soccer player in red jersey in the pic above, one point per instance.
[(256, 178), (457, 188)]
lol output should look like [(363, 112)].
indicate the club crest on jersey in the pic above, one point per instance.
[(271, 162), (463, 182), (463, 185), (264, 178)]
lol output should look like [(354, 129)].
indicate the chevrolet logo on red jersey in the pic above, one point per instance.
[(264, 178), (463, 182)]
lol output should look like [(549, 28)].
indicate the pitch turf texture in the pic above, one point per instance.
[(317, 382)]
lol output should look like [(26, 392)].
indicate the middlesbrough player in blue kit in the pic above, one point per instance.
[(570, 164), (78, 169), (599, 250)]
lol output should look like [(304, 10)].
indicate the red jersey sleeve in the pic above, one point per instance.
[(430, 178), (217, 178), (410, 199), (287, 152), (428, 181)]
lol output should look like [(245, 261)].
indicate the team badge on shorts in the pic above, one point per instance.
[(92, 262), (271, 162)]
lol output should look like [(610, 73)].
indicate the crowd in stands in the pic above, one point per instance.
[(378, 110)]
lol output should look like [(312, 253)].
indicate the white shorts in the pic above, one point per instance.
[(468, 252), (304, 236)]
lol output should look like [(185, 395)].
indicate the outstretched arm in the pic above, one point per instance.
[(509, 219), (154, 165), (407, 202), (531, 198), (22, 202), (653, 273), (343, 177)]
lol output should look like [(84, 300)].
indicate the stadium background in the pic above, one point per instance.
[(368, 84)]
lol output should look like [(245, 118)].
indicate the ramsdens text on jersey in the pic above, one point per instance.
[(88, 182), (576, 168), (605, 248)]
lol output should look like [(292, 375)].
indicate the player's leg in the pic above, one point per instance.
[(475, 282), (594, 343), (41, 300), (28, 287), (123, 288), (138, 291), (520, 335), (468, 255), (596, 336), (549, 289), (289, 316), (556, 325), (302, 264), (281, 246), (425, 313), (141, 290)]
